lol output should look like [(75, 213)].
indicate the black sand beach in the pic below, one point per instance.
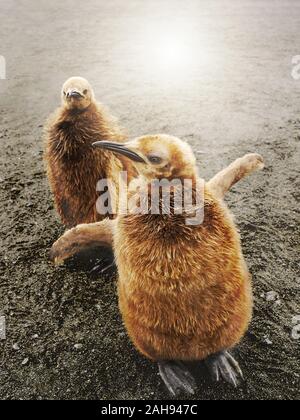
[(231, 93)]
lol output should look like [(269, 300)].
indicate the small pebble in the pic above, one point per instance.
[(268, 341), (78, 346), (271, 296), (25, 361), (16, 347)]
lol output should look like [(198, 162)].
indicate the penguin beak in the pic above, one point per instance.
[(119, 149), (74, 94)]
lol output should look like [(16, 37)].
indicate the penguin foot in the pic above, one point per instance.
[(223, 365), (177, 378)]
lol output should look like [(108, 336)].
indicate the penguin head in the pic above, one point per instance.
[(77, 94), (157, 156)]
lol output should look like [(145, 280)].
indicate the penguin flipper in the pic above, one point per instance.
[(223, 365), (221, 183), (176, 377), (81, 238)]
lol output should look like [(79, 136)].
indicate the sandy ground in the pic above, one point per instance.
[(236, 95)]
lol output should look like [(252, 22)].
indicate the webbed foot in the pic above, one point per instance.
[(223, 365), (177, 377)]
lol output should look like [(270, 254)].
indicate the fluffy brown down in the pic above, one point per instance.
[(74, 167), (184, 291), (188, 294)]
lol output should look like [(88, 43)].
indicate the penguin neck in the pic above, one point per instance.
[(76, 132), (74, 114)]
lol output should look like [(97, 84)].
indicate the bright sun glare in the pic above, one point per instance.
[(173, 52)]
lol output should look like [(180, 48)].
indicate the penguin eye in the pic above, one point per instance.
[(85, 92), (155, 160)]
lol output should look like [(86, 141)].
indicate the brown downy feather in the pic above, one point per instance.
[(74, 167), (184, 291)]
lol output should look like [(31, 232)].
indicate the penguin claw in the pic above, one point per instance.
[(102, 269), (177, 378), (223, 365)]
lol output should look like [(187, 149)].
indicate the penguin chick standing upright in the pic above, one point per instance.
[(184, 290), (73, 166)]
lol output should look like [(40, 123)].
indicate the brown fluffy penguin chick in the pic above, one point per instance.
[(73, 166), (184, 290)]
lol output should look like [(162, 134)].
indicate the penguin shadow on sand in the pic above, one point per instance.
[(94, 261)]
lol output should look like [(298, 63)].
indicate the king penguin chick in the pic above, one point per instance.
[(184, 290), (73, 166)]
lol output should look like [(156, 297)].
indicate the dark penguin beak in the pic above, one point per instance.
[(74, 94), (119, 149)]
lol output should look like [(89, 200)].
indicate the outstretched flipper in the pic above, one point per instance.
[(81, 238), (177, 377), (223, 365), (221, 183)]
